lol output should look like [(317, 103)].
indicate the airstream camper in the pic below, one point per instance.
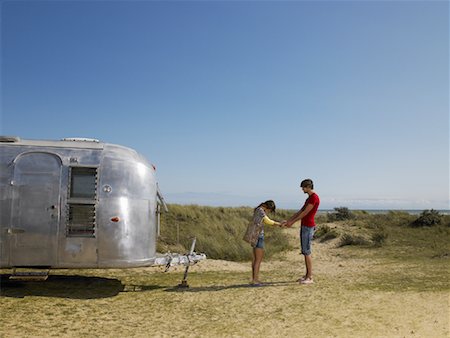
[(78, 203)]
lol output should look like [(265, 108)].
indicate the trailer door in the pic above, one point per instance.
[(35, 209)]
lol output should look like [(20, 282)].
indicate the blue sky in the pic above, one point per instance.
[(236, 102)]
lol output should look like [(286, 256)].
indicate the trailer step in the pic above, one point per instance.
[(29, 275)]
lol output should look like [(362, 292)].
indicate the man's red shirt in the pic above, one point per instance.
[(308, 220)]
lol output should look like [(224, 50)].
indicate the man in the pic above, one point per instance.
[(306, 215)]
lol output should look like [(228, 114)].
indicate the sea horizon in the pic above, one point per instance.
[(385, 211)]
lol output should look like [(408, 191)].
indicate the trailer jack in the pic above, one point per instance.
[(171, 259), (184, 283)]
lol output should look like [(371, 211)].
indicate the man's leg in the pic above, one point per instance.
[(306, 236), (308, 263)]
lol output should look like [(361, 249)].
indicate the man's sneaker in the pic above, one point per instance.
[(307, 281)]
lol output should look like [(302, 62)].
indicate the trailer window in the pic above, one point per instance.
[(83, 182), (82, 200), (81, 220)]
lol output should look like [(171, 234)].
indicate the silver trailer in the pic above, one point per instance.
[(79, 203)]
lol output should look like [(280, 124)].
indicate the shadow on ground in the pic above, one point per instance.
[(72, 287), (227, 287), (91, 287)]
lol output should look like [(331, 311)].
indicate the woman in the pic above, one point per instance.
[(255, 235)]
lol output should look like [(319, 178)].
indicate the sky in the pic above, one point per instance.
[(236, 102)]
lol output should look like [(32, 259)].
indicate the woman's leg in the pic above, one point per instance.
[(253, 263), (258, 253)]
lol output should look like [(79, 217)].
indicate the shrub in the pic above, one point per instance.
[(340, 214), (325, 233), (427, 218), (321, 230), (329, 235), (379, 237), (348, 239)]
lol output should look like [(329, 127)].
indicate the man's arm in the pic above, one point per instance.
[(299, 215)]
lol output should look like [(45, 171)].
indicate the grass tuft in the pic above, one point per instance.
[(325, 233), (379, 237), (349, 239)]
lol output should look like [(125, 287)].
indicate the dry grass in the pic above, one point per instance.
[(398, 290), (219, 231)]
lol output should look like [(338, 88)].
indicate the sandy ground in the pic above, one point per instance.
[(348, 299)]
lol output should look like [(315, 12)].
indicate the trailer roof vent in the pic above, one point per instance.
[(9, 139), (80, 139)]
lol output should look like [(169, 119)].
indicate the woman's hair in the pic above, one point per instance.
[(308, 183), (268, 205)]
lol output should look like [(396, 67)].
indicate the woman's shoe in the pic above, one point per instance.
[(307, 281)]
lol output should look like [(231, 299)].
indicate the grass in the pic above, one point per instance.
[(408, 259), (348, 239), (387, 239), (420, 276), (218, 230), (325, 233), (396, 288)]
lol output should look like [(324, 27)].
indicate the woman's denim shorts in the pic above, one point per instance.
[(306, 236), (260, 243)]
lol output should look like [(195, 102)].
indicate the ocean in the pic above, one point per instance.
[(385, 211)]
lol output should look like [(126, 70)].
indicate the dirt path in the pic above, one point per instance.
[(349, 299)]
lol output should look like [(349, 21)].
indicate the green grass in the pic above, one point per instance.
[(411, 259), (218, 230), (387, 239), (394, 288), (424, 275)]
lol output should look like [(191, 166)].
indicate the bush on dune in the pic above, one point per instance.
[(379, 237), (340, 214), (428, 218), (325, 233)]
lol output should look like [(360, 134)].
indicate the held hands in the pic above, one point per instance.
[(284, 224)]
